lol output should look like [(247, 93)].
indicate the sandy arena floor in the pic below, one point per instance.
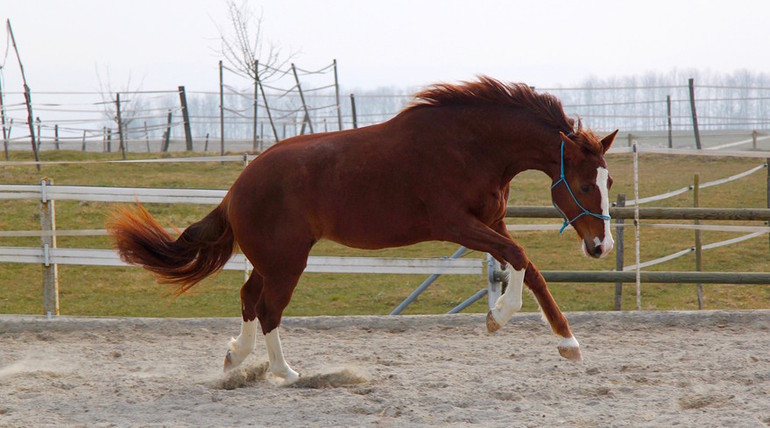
[(640, 369)]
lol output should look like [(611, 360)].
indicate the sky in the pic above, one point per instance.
[(161, 44)]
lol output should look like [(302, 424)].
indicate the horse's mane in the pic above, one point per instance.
[(488, 91)]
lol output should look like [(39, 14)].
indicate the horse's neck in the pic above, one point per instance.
[(524, 144), (505, 142)]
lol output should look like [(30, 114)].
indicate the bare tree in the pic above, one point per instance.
[(242, 44), (130, 103)]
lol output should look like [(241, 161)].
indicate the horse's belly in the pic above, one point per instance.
[(373, 233)]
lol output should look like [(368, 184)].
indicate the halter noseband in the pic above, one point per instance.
[(563, 179)]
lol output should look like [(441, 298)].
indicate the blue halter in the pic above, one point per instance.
[(562, 179)]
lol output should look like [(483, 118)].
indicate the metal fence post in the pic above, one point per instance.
[(48, 241), (619, 253), (494, 281), (425, 284)]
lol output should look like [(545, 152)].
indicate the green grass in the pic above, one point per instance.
[(90, 290)]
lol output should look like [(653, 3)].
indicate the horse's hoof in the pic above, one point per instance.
[(570, 349), (291, 380), (492, 324)]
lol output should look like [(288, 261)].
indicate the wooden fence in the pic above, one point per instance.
[(49, 256)]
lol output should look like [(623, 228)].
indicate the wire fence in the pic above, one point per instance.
[(249, 114)]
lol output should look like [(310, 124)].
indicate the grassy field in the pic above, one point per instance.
[(87, 290)]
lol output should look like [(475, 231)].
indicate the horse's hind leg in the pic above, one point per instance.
[(274, 299), (263, 300), (244, 344)]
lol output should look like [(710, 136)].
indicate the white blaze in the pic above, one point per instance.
[(602, 179)]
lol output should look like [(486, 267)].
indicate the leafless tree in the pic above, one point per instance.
[(242, 44), (130, 103)]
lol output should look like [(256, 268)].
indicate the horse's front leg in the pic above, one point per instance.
[(568, 346), (507, 304), (497, 241)]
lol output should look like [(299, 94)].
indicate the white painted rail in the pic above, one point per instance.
[(111, 194), (316, 264)]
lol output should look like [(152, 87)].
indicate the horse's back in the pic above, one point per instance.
[(355, 187)]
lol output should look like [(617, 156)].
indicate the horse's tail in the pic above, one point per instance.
[(202, 249)]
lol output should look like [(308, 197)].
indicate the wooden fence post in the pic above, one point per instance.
[(269, 114), (48, 241), (120, 126), (27, 96), (146, 136), (619, 253), (221, 110), (5, 134), (256, 106), (337, 96), (186, 119), (698, 243), (353, 107), (304, 105), (754, 135), (167, 134), (691, 84), (56, 136), (39, 126)]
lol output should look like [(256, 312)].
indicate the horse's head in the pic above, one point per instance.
[(581, 191)]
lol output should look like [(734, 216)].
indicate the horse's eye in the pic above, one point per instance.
[(586, 188)]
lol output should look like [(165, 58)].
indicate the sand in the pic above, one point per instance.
[(702, 369)]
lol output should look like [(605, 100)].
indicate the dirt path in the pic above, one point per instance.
[(640, 369)]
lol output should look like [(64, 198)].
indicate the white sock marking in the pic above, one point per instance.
[(569, 342), (241, 347), (245, 343), (510, 302), (278, 364)]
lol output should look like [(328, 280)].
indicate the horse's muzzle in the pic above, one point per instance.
[(596, 248)]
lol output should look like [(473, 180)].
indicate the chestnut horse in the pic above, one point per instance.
[(439, 170)]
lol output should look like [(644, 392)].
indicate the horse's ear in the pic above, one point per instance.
[(607, 141), (570, 146)]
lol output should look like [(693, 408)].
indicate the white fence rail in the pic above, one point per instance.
[(50, 256), (316, 264), (111, 194)]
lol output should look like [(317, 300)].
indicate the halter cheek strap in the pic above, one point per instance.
[(563, 179)]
